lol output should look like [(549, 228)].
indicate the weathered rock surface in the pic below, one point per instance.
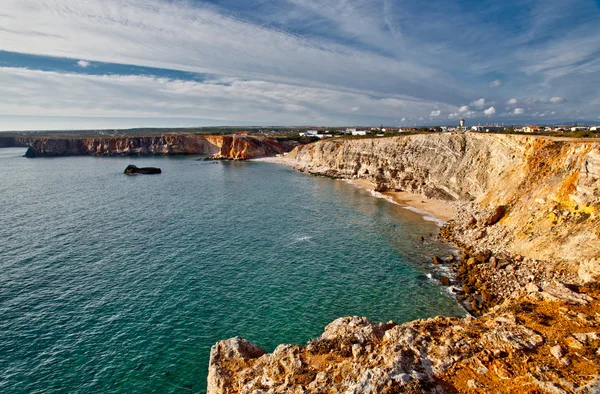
[(504, 351), (232, 147)]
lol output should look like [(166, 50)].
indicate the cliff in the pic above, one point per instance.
[(547, 343), (10, 141), (226, 147), (550, 188), (529, 225)]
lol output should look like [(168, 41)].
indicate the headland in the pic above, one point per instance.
[(527, 221)]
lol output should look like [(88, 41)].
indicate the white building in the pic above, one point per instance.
[(309, 133), (579, 128)]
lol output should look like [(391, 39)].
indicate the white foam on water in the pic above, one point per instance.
[(305, 238), (426, 215)]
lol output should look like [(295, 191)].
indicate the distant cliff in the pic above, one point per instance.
[(12, 141), (227, 147)]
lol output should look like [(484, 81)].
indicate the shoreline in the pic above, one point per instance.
[(432, 210), (535, 316)]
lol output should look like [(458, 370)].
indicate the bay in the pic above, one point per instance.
[(121, 284)]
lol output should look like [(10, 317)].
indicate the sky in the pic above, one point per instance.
[(99, 64)]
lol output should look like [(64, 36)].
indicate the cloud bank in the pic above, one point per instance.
[(308, 61)]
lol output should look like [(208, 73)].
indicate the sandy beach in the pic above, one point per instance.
[(437, 208)]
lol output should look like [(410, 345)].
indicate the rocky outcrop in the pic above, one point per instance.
[(512, 349), (131, 170), (234, 147), (528, 221)]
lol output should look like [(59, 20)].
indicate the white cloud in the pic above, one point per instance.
[(403, 120), (83, 63), (464, 109), (478, 103), (354, 109), (362, 47), (143, 33), (435, 113), (557, 100), (518, 111), (490, 111), (225, 101), (512, 101)]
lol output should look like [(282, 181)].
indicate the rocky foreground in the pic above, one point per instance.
[(529, 228)]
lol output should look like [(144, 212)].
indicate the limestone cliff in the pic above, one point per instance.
[(529, 222), (12, 141), (549, 187), (228, 147)]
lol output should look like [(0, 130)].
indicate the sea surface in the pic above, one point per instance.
[(121, 284)]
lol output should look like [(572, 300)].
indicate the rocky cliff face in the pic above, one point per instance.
[(515, 348), (12, 141), (227, 147), (550, 188), (528, 215)]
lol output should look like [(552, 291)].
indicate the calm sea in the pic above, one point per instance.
[(120, 284)]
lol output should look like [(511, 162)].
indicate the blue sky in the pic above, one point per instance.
[(137, 63)]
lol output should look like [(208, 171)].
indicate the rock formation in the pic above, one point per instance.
[(529, 225), (131, 169), (532, 196), (12, 141), (234, 147)]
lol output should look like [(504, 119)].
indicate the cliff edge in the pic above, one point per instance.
[(221, 147), (529, 225)]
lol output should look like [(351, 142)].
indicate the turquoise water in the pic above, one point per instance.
[(120, 284)]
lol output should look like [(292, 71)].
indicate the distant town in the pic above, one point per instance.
[(318, 132), (382, 131)]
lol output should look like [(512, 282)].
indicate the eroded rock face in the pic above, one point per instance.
[(507, 350), (528, 195), (231, 147)]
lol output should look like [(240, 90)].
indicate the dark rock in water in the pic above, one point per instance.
[(437, 260), (30, 153), (131, 169), (444, 281)]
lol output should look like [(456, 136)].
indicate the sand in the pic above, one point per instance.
[(437, 208)]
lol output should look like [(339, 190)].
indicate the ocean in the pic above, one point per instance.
[(112, 283)]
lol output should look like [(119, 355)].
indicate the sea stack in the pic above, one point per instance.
[(131, 169)]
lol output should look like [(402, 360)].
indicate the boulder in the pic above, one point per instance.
[(495, 216), (131, 169), (557, 291), (589, 270), (444, 281)]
